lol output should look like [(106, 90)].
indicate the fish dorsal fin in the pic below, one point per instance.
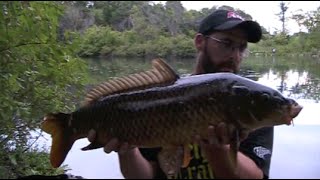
[(159, 75)]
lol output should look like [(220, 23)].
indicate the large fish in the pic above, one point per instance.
[(157, 108)]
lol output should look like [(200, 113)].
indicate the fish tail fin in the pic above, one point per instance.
[(62, 137)]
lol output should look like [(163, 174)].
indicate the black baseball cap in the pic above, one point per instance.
[(225, 19)]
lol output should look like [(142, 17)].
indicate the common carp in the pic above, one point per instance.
[(158, 108)]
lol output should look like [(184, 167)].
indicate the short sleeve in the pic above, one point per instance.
[(151, 154), (258, 146)]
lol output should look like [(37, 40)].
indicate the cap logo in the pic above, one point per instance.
[(234, 15)]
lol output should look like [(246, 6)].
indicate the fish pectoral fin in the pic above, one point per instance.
[(234, 146), (171, 160), (186, 156), (93, 145)]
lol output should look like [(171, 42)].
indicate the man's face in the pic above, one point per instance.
[(223, 51)]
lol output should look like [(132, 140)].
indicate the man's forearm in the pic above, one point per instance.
[(223, 167), (247, 168), (134, 165)]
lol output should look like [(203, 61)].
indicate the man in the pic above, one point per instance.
[(221, 43)]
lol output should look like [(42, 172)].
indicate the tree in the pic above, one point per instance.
[(76, 17), (33, 82), (174, 12), (142, 25), (117, 13), (312, 20), (282, 15), (299, 18)]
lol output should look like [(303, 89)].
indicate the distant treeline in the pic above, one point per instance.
[(143, 28)]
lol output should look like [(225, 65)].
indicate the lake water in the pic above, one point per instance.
[(296, 152)]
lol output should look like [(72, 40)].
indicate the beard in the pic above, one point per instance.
[(209, 66)]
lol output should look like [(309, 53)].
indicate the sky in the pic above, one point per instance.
[(263, 12)]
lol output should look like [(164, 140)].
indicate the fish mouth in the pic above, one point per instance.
[(294, 111)]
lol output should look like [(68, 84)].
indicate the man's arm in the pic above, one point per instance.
[(249, 164), (134, 166), (222, 166)]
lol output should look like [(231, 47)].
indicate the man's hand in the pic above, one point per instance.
[(218, 136), (217, 150), (112, 145)]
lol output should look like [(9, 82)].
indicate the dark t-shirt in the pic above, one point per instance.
[(258, 146)]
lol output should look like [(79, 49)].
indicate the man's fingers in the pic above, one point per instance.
[(197, 139), (243, 135), (212, 137), (222, 133), (112, 145), (124, 148), (91, 135)]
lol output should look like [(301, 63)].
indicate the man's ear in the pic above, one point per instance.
[(199, 41)]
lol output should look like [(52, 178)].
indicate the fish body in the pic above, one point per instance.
[(169, 112)]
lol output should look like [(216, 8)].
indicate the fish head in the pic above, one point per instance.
[(255, 105), (273, 110)]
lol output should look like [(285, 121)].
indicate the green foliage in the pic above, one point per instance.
[(144, 29), (299, 44), (312, 41), (183, 46), (98, 14), (104, 41), (23, 163), (38, 75), (98, 40), (159, 47)]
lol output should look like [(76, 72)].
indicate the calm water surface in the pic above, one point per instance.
[(296, 151)]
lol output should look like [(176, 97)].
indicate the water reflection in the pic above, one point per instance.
[(294, 78)]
